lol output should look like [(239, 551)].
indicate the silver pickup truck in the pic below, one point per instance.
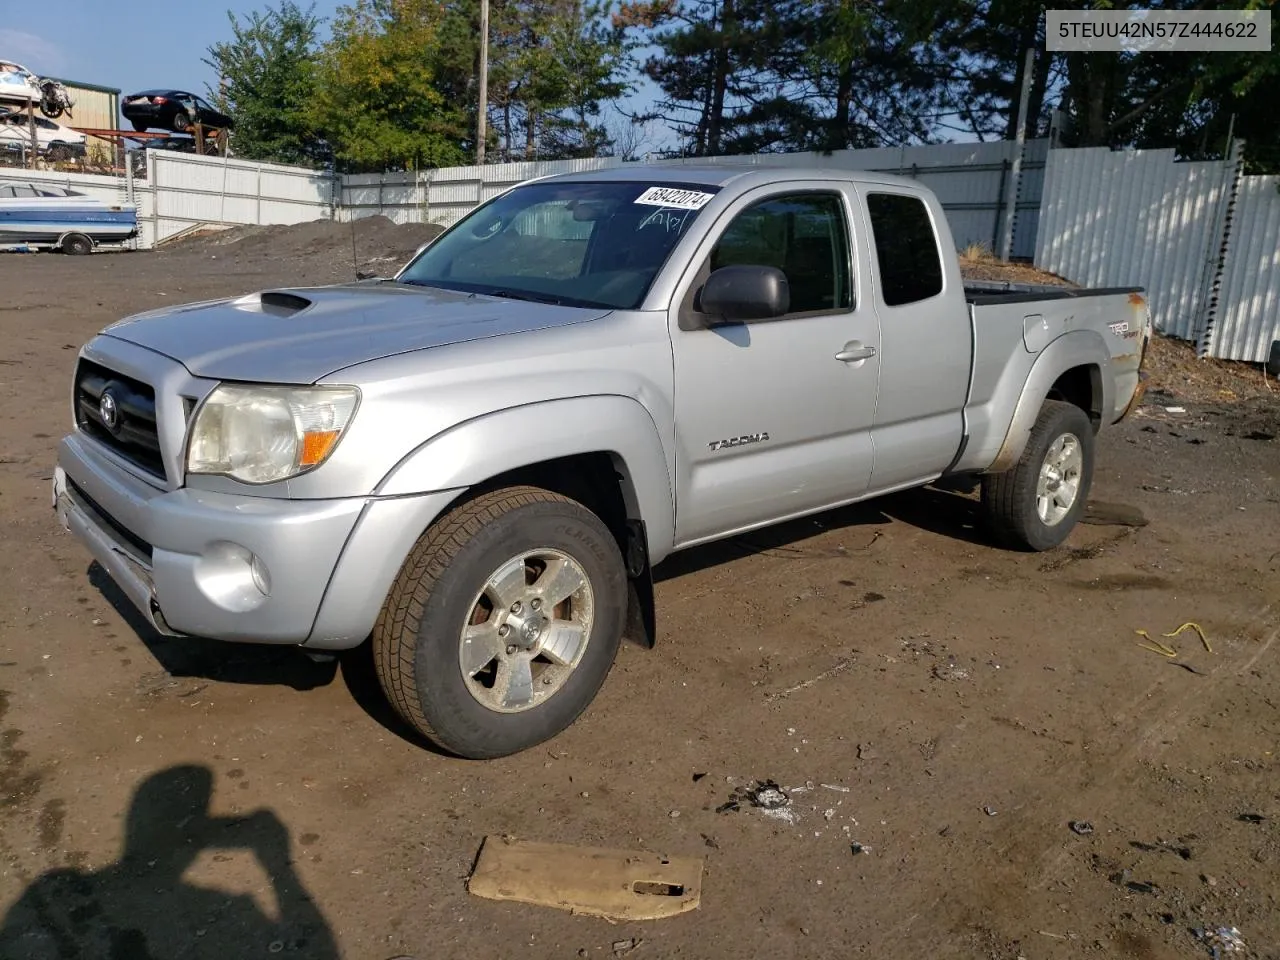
[(478, 463)]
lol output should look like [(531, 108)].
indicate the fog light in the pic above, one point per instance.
[(232, 577)]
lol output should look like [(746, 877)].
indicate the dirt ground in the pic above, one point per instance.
[(939, 710)]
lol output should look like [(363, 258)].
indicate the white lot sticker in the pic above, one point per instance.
[(672, 197)]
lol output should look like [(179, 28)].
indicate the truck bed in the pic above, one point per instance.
[(1015, 324)]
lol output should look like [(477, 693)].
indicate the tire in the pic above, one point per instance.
[(77, 244), (1012, 500), (181, 122), (448, 581)]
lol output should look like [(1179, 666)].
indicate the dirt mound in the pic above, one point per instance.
[(1174, 368), (977, 264), (376, 240)]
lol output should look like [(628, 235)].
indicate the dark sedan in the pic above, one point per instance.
[(171, 110)]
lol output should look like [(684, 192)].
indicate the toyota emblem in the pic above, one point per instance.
[(109, 410)]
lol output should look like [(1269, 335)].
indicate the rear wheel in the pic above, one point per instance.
[(503, 622), (181, 121), (1035, 504), (77, 244)]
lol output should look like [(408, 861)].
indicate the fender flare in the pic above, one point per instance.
[(1079, 348), (472, 452)]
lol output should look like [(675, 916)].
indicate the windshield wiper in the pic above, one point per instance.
[(524, 295)]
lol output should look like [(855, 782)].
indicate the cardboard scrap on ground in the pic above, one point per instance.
[(614, 884)]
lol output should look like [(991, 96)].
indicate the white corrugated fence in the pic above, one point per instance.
[(1201, 238)]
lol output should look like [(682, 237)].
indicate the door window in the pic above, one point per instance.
[(804, 236)]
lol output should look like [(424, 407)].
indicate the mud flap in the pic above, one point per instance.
[(641, 627)]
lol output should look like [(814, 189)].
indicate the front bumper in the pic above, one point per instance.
[(242, 568)]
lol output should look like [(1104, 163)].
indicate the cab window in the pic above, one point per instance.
[(803, 235)]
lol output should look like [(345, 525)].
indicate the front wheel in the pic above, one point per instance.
[(1035, 504), (503, 622), (77, 245)]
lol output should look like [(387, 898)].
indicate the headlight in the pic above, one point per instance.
[(264, 434)]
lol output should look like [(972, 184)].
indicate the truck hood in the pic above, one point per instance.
[(300, 335)]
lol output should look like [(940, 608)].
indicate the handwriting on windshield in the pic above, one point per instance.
[(671, 220)]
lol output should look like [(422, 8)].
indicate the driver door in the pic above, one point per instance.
[(774, 417)]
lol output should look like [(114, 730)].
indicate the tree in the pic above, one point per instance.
[(378, 95), (553, 66), (710, 66), (267, 77)]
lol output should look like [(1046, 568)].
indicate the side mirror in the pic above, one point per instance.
[(739, 293)]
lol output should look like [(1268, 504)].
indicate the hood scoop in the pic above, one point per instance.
[(276, 303)]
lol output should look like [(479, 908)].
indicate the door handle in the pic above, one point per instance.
[(854, 351)]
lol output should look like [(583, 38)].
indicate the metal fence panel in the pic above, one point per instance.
[(1248, 315), (1135, 218), (192, 190)]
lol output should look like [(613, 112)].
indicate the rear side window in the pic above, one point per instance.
[(906, 248)]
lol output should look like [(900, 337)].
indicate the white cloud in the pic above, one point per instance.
[(38, 55)]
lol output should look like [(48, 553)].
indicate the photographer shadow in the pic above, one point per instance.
[(141, 908)]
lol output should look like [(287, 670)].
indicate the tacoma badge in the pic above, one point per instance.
[(738, 441)]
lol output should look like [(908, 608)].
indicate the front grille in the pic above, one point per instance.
[(125, 422)]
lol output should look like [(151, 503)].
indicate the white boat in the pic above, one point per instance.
[(41, 214)]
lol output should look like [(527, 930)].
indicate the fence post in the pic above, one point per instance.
[(1232, 167), (995, 227)]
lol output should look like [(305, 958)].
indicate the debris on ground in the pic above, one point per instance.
[(951, 670), (859, 848), (1191, 626), (622, 947), (1251, 818), (614, 884), (1081, 827), (767, 797), (990, 811), (1222, 941)]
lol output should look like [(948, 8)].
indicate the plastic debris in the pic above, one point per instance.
[(1223, 940), (833, 786), (1081, 827), (990, 811), (1175, 409), (1251, 818), (769, 796), (614, 884), (859, 848), (622, 947)]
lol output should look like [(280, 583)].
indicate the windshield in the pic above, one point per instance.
[(579, 244)]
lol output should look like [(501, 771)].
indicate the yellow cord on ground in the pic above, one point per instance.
[(1196, 628), (1155, 646)]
